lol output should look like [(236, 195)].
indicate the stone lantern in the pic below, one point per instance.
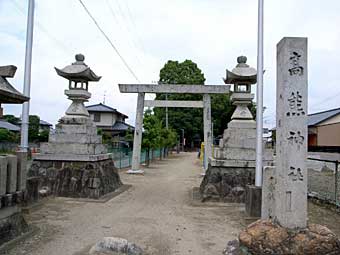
[(242, 77), (232, 166), (75, 162), (79, 75)]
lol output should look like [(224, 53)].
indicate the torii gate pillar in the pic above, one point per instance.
[(207, 130), (137, 140)]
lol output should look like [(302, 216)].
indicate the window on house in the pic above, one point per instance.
[(96, 117)]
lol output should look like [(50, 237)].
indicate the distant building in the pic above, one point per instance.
[(9, 126), (110, 120), (43, 125), (324, 128)]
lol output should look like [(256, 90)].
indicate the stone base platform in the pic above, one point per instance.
[(78, 179), (226, 184), (12, 224), (265, 237)]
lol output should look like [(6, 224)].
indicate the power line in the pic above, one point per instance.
[(134, 24), (109, 41), (43, 29), (132, 43)]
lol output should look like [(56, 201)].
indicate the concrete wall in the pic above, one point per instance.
[(328, 135), (13, 176)]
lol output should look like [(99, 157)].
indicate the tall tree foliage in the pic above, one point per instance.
[(191, 120), (155, 135), (11, 119), (33, 128)]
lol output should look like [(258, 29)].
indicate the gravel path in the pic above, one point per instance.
[(157, 213)]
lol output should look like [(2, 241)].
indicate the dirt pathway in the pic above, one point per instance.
[(157, 212)]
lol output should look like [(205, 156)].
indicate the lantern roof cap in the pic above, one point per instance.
[(78, 71), (242, 73), (8, 94)]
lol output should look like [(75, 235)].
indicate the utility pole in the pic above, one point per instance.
[(259, 99), (27, 76)]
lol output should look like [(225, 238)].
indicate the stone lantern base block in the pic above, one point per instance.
[(253, 201), (78, 179), (226, 184), (266, 237)]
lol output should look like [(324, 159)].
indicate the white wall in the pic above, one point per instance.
[(106, 119)]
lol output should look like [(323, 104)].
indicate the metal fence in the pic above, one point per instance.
[(324, 181), (123, 156)]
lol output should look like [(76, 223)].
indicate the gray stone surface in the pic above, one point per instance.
[(3, 175), (72, 157), (74, 179), (12, 169), (226, 184), (11, 226), (207, 129), (78, 98), (170, 88), (22, 170), (173, 103), (232, 166), (268, 189), (114, 245), (253, 199), (291, 133), (137, 140)]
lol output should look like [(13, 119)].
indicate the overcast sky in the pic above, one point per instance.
[(147, 33)]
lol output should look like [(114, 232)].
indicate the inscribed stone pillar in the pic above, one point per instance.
[(137, 140), (291, 126), (207, 129)]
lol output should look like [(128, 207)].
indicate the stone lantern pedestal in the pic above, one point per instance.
[(75, 162), (232, 166)]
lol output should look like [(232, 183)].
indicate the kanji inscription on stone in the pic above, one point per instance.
[(290, 208)]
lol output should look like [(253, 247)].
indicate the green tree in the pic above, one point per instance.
[(152, 128), (221, 112), (43, 136), (155, 135), (11, 119), (129, 136), (189, 119), (33, 128), (8, 136)]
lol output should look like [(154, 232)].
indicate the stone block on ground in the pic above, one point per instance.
[(113, 245), (73, 179), (3, 175), (11, 226), (22, 170), (267, 237), (253, 201), (226, 184), (11, 174)]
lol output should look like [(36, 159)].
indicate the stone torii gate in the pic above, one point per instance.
[(141, 89)]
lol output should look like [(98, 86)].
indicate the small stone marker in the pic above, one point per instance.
[(290, 193), (3, 175), (12, 169)]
